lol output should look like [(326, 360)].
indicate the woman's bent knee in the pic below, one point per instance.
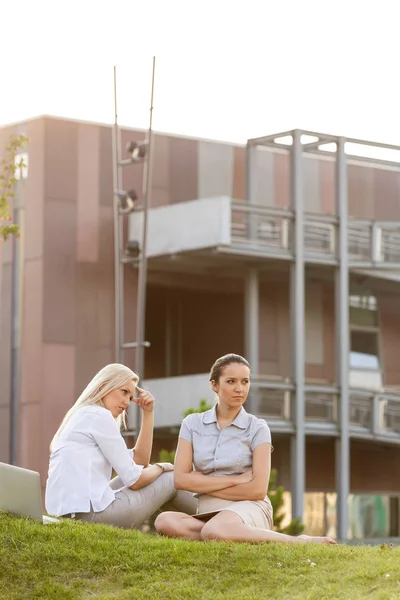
[(173, 524), (212, 531), (166, 523)]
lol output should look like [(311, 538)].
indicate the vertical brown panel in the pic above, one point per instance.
[(160, 171), (5, 358), (131, 290), (40, 421), (282, 179), (269, 338), (327, 186), (382, 460), (320, 465), (31, 342), (389, 316), (284, 345), (61, 138), (59, 272), (87, 226), (386, 195), (329, 333), (33, 428), (239, 173), (361, 191), (106, 167), (33, 191), (215, 321), (183, 169)]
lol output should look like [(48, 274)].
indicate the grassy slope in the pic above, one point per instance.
[(78, 561)]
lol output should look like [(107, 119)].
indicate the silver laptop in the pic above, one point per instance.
[(20, 493)]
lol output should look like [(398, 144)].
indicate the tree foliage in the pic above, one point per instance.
[(203, 407), (9, 166), (275, 494)]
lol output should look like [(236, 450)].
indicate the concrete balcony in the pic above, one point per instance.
[(372, 415), (223, 226)]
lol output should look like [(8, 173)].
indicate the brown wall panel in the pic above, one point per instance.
[(389, 315), (33, 429), (239, 173), (5, 335), (130, 289), (4, 433), (374, 467), (327, 186), (59, 272), (61, 156), (212, 326), (361, 191), (106, 167), (31, 342), (87, 222), (183, 169), (386, 195), (33, 191), (282, 180)]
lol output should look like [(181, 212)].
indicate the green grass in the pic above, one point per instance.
[(72, 560)]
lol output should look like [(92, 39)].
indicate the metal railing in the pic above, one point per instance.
[(377, 414), (270, 230)]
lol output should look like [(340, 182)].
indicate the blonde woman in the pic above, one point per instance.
[(88, 445)]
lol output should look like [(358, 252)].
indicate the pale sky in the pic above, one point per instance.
[(225, 69)]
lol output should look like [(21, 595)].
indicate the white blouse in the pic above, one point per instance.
[(81, 463)]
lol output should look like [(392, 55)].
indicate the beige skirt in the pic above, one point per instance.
[(257, 513)]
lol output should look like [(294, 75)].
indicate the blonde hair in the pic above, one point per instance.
[(108, 379)]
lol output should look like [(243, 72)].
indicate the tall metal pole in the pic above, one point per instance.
[(118, 235), (252, 331), (142, 280), (297, 302), (342, 345), (16, 319)]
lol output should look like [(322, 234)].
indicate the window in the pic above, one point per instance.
[(364, 350), (365, 363), (21, 166)]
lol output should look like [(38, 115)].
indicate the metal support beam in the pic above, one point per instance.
[(297, 303), (118, 235), (252, 329), (16, 318), (142, 277), (342, 345)]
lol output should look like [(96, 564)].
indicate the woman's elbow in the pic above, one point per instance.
[(178, 481), (259, 494)]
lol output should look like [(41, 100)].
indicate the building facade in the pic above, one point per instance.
[(286, 251)]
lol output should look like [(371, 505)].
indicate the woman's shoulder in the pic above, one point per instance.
[(93, 411), (256, 423), (194, 419)]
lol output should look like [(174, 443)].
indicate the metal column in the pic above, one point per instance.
[(251, 283), (342, 345), (252, 328), (118, 235), (16, 317), (297, 303)]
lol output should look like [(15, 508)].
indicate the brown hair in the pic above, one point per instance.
[(224, 361)]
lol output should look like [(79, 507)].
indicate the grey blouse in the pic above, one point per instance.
[(227, 451)]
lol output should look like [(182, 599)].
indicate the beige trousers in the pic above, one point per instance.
[(132, 507)]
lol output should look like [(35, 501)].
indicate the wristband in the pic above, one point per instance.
[(162, 467)]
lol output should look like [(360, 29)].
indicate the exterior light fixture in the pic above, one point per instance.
[(137, 150), (126, 201)]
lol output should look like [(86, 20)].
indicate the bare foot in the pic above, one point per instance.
[(309, 539)]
